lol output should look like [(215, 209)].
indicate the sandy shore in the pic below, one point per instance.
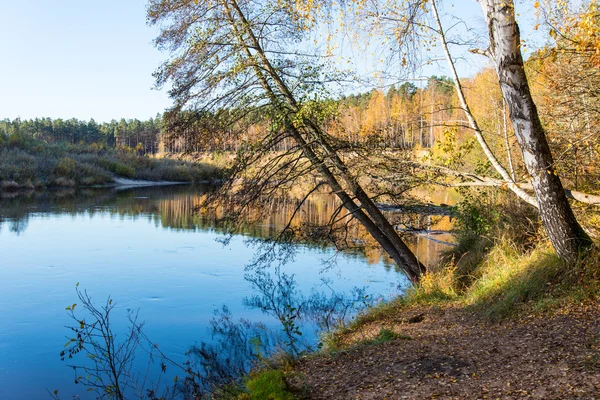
[(123, 183)]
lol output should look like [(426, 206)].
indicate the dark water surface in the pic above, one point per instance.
[(148, 250)]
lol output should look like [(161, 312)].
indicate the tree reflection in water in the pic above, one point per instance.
[(239, 345), (179, 208)]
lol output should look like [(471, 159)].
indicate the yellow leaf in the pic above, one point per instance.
[(537, 4)]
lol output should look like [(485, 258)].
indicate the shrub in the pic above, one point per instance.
[(18, 166), (63, 182), (66, 167), (124, 171), (71, 170)]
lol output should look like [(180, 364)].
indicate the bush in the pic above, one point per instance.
[(9, 186), (21, 141), (124, 171), (66, 167), (69, 172), (474, 214), (29, 162), (18, 166)]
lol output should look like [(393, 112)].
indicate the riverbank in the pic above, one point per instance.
[(39, 165), (518, 337), (447, 352), (501, 317)]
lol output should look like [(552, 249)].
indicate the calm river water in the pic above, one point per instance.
[(148, 250)]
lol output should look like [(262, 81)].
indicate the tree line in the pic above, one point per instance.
[(141, 136), (397, 117)]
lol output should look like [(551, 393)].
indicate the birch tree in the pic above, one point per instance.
[(418, 21), (564, 231), (243, 54)]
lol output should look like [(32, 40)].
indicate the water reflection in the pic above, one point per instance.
[(426, 229), (149, 250), (239, 345), (130, 364)]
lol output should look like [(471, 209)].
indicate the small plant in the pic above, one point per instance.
[(387, 335), (291, 329), (474, 216), (107, 369), (267, 385)]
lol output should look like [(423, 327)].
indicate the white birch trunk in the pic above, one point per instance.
[(564, 231)]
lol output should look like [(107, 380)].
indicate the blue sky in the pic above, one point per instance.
[(79, 59), (83, 59)]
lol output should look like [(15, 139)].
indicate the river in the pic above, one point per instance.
[(150, 251)]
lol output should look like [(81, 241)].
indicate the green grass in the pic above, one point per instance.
[(266, 385), (509, 280), (385, 335)]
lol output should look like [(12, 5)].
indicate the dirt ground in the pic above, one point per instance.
[(452, 354)]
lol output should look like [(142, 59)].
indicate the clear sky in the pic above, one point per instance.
[(83, 59)]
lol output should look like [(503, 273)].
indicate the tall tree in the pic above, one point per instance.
[(234, 54), (412, 22), (564, 231)]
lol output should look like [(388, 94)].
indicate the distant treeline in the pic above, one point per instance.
[(142, 136), (402, 116)]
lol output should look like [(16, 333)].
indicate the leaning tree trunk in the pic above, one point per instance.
[(564, 231), (366, 212)]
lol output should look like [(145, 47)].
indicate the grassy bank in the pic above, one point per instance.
[(29, 163), (500, 306)]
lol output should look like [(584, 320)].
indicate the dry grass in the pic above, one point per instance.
[(46, 165)]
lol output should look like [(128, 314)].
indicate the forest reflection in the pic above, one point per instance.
[(177, 208)]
